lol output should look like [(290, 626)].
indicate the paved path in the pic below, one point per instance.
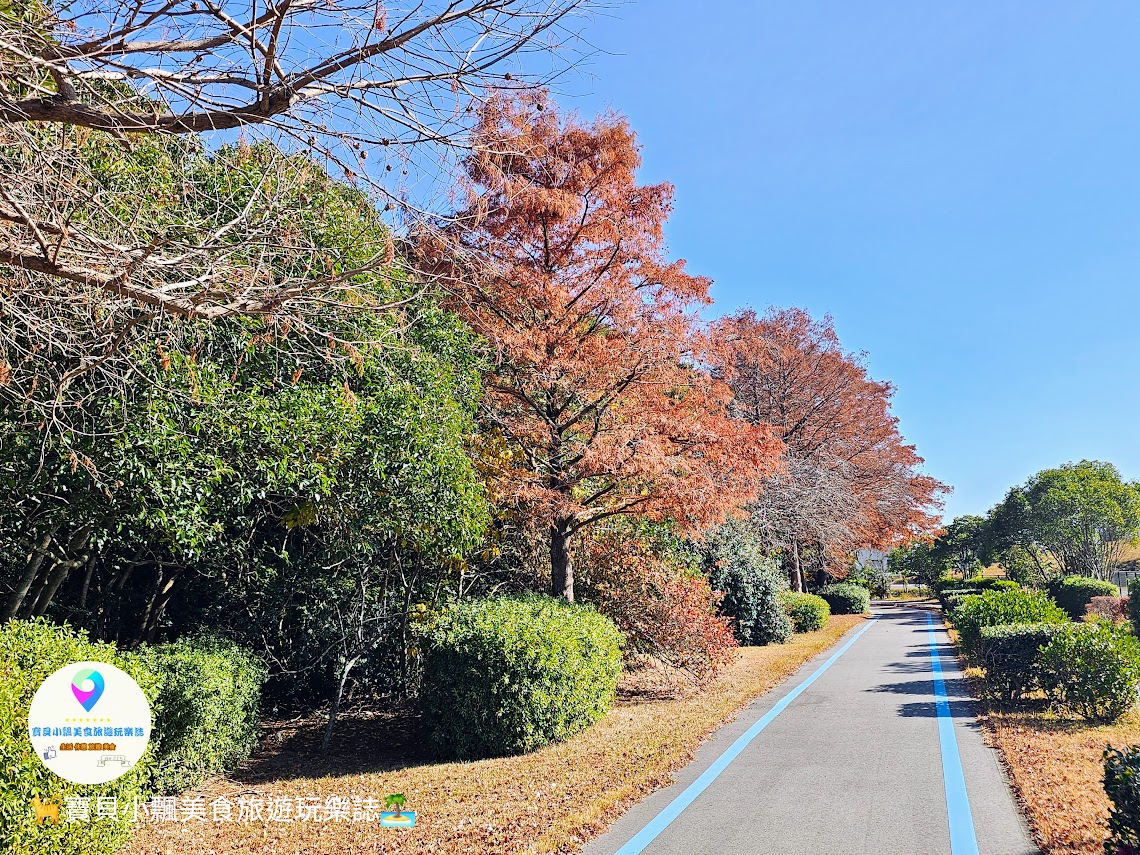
[(861, 760)]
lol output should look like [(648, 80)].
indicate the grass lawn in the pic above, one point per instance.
[(552, 800), (1056, 768)]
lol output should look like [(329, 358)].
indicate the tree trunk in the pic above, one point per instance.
[(334, 709), (79, 543), (159, 608), (797, 570), (35, 559), (52, 582), (561, 567), (152, 600), (87, 574)]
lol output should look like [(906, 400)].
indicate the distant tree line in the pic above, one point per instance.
[(1075, 520)]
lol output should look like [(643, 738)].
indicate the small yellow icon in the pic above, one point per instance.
[(45, 811)]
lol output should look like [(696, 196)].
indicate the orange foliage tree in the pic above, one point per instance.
[(558, 260), (849, 479), (665, 608)]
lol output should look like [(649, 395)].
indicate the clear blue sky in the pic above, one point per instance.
[(958, 184)]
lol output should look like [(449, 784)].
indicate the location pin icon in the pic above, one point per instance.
[(87, 697)]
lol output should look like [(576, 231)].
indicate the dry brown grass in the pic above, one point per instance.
[(1129, 552), (549, 801), (1057, 771)]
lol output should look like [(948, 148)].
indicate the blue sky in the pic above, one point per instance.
[(958, 184)]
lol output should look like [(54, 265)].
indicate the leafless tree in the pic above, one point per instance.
[(809, 507), (371, 92)]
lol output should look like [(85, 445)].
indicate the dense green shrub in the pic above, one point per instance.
[(847, 599), (206, 715), (1074, 592), (1092, 670), (879, 585), (807, 611), (948, 583), (751, 582), (994, 584), (951, 599), (994, 608), (508, 675), (1133, 605), (1122, 784), (1010, 655), (950, 595), (29, 652)]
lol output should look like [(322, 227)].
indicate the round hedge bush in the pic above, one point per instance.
[(29, 652), (1073, 593), (1092, 670), (807, 612), (206, 716), (1122, 786), (1132, 605), (507, 675), (995, 608), (1011, 654), (847, 599)]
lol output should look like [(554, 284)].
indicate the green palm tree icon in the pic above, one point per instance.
[(396, 799)]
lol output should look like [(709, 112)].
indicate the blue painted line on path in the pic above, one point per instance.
[(963, 840), (671, 811)]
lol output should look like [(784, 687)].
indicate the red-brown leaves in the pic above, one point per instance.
[(664, 610), (559, 262), (842, 441)]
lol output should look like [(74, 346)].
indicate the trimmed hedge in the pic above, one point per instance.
[(1010, 655), (1122, 784), (845, 599), (1092, 670), (206, 714), (1074, 592), (807, 611), (1134, 605), (508, 675), (951, 599), (29, 652), (994, 608), (947, 583), (946, 589), (999, 585)]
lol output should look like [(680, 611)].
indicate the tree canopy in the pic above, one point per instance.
[(559, 262), (1080, 515), (848, 479)]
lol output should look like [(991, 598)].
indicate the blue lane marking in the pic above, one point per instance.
[(963, 840), (671, 811)]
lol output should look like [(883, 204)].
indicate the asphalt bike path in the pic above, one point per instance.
[(872, 747)]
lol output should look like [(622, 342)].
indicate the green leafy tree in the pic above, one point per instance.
[(297, 483), (1072, 520), (958, 548), (916, 563)]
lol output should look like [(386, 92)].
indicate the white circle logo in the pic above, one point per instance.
[(89, 722)]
